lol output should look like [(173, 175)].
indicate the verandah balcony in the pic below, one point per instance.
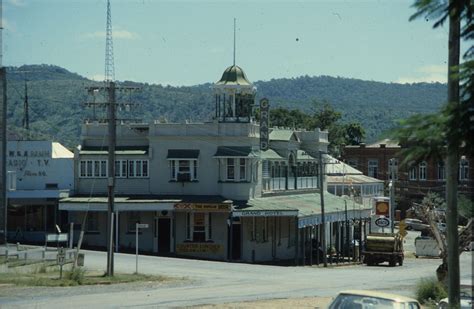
[(289, 183)]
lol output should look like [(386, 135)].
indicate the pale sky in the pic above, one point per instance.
[(191, 42)]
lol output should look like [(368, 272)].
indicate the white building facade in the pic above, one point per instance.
[(206, 190), (39, 173)]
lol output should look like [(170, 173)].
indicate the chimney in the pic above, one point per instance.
[(382, 145), (362, 145)]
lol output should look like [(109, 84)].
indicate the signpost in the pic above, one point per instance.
[(138, 226), (61, 257)]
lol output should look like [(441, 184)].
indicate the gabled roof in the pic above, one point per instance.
[(336, 167), (270, 154), (283, 135)]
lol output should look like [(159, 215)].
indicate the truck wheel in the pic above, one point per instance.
[(391, 263)]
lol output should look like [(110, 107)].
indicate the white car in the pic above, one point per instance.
[(355, 299), (467, 299), (416, 225)]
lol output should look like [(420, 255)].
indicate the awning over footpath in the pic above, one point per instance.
[(306, 206), (119, 150), (146, 203)]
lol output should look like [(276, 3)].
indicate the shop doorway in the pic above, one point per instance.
[(164, 227), (236, 242)]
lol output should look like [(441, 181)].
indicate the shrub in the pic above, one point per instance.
[(429, 290), (77, 275)]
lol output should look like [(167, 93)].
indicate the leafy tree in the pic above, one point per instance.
[(453, 126), (355, 133)]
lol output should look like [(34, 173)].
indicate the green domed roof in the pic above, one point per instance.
[(234, 75)]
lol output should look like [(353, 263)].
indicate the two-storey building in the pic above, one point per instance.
[(412, 181), (206, 189)]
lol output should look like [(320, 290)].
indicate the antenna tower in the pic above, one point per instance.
[(109, 48)]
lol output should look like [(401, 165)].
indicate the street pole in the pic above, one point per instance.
[(136, 248), (323, 218), (454, 47), (346, 230), (3, 158), (111, 177), (392, 193)]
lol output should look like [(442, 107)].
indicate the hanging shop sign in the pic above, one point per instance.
[(203, 206), (264, 123)]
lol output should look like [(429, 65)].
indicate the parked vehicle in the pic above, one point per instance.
[(426, 246), (416, 225), (372, 299), (467, 299), (383, 247)]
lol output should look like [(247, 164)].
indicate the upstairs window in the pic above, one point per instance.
[(230, 169), (441, 170), (412, 173), (373, 166), (183, 170), (237, 170), (121, 168), (422, 170), (242, 170), (93, 168), (464, 169), (138, 168), (393, 168)]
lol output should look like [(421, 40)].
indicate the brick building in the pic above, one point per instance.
[(412, 181)]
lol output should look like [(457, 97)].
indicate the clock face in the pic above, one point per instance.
[(382, 208)]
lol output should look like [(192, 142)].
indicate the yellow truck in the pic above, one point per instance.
[(383, 247)]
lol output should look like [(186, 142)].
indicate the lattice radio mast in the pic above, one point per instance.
[(108, 92)]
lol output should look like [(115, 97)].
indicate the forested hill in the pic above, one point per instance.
[(56, 95)]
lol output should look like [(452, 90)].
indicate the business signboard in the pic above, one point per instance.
[(264, 123)]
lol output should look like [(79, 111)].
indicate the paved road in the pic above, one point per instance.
[(219, 282)]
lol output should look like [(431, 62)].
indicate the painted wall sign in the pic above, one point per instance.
[(265, 213), (203, 206), (382, 222), (199, 248), (264, 123)]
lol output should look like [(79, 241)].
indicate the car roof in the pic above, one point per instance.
[(394, 297), (466, 282)]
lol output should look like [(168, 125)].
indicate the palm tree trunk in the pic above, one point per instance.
[(453, 156)]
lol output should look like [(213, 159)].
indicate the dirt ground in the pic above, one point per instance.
[(307, 302)]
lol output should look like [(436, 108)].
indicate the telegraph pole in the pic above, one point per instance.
[(111, 178), (3, 144), (108, 92)]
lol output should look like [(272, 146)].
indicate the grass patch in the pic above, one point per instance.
[(73, 278), (430, 291)]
